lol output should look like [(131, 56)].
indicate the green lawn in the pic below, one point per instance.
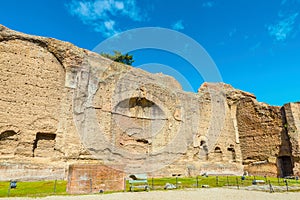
[(46, 188), (215, 181), (32, 189)]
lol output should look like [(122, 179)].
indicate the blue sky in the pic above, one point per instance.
[(255, 44)]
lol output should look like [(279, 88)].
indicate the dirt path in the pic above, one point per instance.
[(203, 194)]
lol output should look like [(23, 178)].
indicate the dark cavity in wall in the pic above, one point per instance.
[(285, 166), (8, 142), (233, 154), (285, 162), (204, 148), (50, 137), (7, 135)]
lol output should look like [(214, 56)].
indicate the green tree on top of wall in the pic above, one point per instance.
[(119, 57)]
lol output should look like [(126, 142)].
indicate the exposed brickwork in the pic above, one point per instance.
[(92, 178), (260, 129)]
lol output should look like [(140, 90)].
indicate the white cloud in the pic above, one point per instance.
[(208, 4), (132, 10), (102, 14), (178, 25), (119, 5), (109, 25), (281, 30)]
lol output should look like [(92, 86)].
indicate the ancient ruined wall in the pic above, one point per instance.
[(218, 130), (292, 128), (260, 130), (30, 171), (62, 105), (29, 77), (215, 148), (36, 124)]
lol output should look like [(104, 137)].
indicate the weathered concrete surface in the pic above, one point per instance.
[(64, 105)]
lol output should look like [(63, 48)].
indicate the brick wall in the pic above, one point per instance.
[(91, 178)]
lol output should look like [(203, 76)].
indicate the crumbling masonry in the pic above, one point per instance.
[(63, 105)]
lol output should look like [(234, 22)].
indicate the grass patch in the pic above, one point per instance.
[(47, 188), (33, 189), (215, 181)]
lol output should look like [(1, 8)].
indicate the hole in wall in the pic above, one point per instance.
[(43, 144), (7, 135)]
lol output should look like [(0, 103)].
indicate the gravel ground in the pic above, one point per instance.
[(203, 194)]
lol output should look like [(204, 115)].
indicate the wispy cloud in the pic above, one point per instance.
[(283, 28), (208, 4), (102, 14), (232, 32), (178, 25)]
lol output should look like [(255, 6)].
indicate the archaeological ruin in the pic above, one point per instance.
[(61, 106)]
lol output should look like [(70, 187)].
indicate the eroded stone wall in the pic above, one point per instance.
[(30, 75), (36, 124), (63, 105), (292, 127), (260, 129)]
